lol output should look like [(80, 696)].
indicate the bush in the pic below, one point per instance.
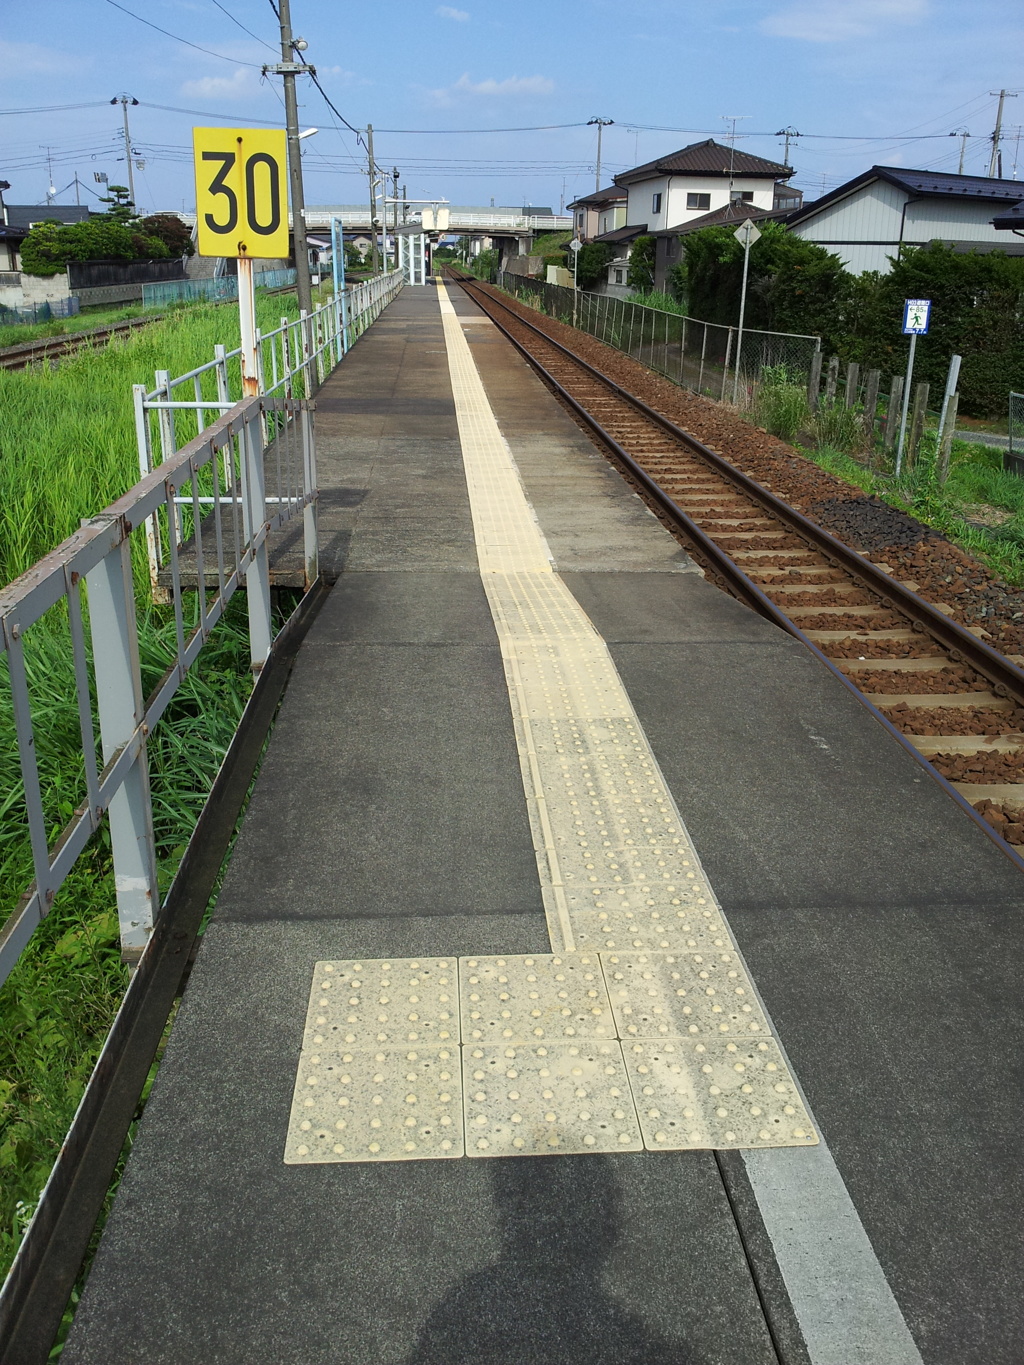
[(641, 264), (50, 246), (838, 427), (592, 261), (781, 404)]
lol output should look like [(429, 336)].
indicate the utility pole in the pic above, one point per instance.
[(963, 134), (994, 160), (789, 133), (394, 196), (124, 101), (372, 170), (289, 68), (602, 124)]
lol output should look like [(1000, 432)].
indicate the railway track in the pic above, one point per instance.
[(49, 349), (947, 696), (52, 348)]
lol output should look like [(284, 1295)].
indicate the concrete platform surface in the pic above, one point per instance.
[(880, 928)]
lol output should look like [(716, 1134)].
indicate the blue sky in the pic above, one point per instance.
[(859, 78)]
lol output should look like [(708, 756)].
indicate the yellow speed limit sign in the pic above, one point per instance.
[(241, 191)]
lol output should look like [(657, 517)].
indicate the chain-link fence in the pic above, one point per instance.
[(703, 356), (218, 288), (40, 312), (1015, 431)]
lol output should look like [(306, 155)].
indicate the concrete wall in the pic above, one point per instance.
[(33, 289)]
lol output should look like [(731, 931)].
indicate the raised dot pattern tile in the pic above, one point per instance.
[(622, 886), (559, 1052)]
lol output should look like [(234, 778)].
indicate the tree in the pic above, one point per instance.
[(169, 229), (122, 209), (641, 264), (592, 262)]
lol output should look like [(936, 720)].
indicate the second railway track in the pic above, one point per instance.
[(946, 695)]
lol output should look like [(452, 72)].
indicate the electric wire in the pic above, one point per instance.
[(243, 27), (167, 34)]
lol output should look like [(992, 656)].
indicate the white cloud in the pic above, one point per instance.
[(837, 21), (21, 58), (221, 87), (446, 12), (515, 87)]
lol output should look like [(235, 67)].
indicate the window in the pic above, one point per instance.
[(618, 277), (655, 203), (698, 201), (741, 196)]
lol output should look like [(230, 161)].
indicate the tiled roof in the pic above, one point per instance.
[(729, 213), (706, 158), (1008, 219), (612, 195), (622, 234)]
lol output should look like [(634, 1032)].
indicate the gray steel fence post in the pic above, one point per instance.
[(115, 648), (145, 465), (309, 527), (254, 514), (725, 367), (304, 341)]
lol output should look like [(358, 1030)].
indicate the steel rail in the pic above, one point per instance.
[(962, 645)]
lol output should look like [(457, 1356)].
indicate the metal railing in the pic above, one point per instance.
[(292, 359), (697, 355), (82, 602)]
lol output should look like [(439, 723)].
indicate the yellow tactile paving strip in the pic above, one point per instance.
[(644, 1001)]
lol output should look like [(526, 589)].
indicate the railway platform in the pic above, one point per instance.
[(594, 980)]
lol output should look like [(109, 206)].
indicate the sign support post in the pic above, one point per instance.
[(247, 327), (916, 319), (746, 234)]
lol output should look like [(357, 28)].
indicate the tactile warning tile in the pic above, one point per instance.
[(389, 1002), (650, 930), (526, 999), (385, 1104), (715, 1093), (683, 995), (541, 1100)]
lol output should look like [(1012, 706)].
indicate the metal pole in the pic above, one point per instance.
[(287, 70), (743, 309), (906, 403), (374, 254), (247, 324), (335, 251)]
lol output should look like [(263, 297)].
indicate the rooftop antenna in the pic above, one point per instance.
[(733, 119), (963, 134), (51, 189)]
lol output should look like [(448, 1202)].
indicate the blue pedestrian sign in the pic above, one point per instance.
[(916, 316)]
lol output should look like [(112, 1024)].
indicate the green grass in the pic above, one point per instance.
[(17, 333), (67, 449), (975, 476)]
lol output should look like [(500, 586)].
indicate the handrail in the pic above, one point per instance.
[(85, 588)]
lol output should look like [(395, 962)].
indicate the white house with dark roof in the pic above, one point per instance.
[(871, 218), (696, 180)]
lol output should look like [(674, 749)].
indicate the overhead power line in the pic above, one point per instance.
[(167, 34), (56, 108), (243, 27)]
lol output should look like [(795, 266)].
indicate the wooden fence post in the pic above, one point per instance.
[(871, 382), (852, 374), (814, 382), (917, 421), (947, 437), (832, 380), (892, 415)]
